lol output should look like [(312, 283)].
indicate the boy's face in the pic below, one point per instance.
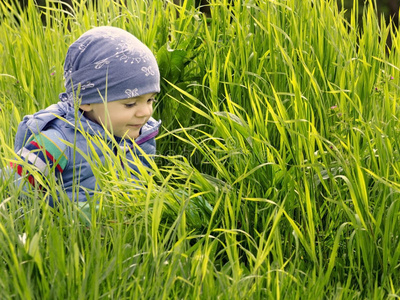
[(123, 118)]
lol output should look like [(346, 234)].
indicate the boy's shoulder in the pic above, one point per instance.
[(39, 122)]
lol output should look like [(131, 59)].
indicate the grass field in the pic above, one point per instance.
[(278, 166)]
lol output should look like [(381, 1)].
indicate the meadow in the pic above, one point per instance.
[(277, 174)]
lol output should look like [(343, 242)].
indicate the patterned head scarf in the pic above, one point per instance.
[(109, 64)]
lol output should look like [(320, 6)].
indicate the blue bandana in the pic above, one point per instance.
[(109, 64)]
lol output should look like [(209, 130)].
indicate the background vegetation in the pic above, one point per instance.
[(389, 8), (277, 174)]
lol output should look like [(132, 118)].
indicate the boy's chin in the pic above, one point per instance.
[(132, 135)]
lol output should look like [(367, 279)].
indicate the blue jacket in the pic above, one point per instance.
[(57, 129)]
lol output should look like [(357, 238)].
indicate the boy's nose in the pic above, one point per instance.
[(143, 110)]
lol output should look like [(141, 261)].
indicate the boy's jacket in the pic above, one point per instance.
[(62, 127)]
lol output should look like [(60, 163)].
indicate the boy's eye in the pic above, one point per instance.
[(128, 105), (152, 100)]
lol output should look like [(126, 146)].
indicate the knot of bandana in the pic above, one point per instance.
[(109, 64)]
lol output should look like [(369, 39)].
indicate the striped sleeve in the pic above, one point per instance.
[(46, 152)]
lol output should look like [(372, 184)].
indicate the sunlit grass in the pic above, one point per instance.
[(277, 170)]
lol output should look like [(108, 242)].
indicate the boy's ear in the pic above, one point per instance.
[(85, 107)]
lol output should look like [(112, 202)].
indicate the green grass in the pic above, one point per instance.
[(278, 169)]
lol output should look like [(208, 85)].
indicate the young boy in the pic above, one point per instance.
[(113, 77)]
